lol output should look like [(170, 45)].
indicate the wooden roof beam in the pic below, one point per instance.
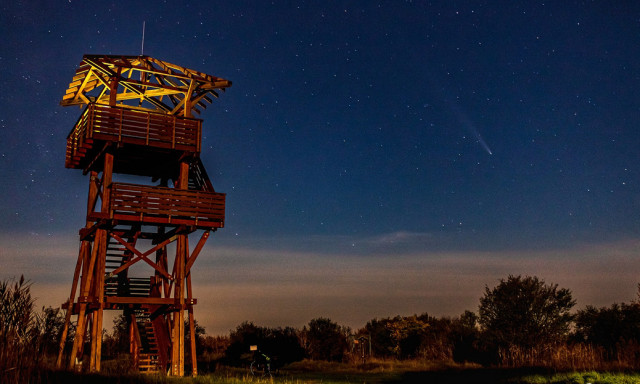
[(184, 87), (157, 103)]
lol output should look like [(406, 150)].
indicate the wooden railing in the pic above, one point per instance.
[(160, 205), (78, 140), (124, 125)]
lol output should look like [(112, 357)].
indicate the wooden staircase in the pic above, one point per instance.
[(120, 285), (116, 256), (149, 354)]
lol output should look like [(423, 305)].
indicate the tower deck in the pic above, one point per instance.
[(145, 205), (150, 132)]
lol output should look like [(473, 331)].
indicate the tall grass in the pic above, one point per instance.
[(20, 332), (573, 357)]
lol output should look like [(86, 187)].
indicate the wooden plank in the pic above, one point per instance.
[(145, 300), (200, 223)]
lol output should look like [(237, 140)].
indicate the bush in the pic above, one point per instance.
[(280, 344)]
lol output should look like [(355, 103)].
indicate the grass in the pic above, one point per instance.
[(381, 372), (448, 376), (590, 377), (308, 372)]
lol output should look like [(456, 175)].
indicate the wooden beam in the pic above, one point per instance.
[(188, 104), (87, 275), (141, 256), (96, 329), (196, 251), (86, 79), (63, 338), (148, 300), (192, 330), (169, 80)]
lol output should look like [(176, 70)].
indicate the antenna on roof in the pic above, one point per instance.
[(142, 51)]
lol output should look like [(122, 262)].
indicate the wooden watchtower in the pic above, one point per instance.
[(134, 252)]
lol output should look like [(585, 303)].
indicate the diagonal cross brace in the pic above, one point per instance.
[(141, 256), (196, 252)]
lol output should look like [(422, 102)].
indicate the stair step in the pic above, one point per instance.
[(148, 358), (148, 363)]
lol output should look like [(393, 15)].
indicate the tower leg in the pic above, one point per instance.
[(177, 351), (84, 245), (182, 250), (98, 293), (86, 282), (192, 330)]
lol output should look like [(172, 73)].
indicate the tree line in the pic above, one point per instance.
[(522, 321)]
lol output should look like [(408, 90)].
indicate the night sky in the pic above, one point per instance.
[(379, 158)]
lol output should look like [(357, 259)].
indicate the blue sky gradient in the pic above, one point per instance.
[(354, 149)]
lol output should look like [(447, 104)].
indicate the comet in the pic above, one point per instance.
[(468, 124)]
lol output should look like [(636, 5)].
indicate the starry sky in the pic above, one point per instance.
[(379, 157)]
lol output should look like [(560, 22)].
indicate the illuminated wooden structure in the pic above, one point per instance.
[(134, 248)]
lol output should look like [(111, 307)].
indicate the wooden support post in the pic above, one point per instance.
[(96, 331), (85, 284), (78, 342), (134, 338), (187, 99), (93, 195), (192, 329), (182, 251), (84, 249), (164, 263), (113, 88), (177, 342), (106, 181), (192, 258), (86, 260), (97, 285)]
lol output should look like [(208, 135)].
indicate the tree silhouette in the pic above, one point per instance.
[(326, 340), (280, 344), (525, 312), (610, 327), (465, 338)]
